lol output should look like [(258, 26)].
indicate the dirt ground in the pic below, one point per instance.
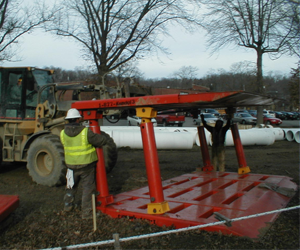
[(40, 223)]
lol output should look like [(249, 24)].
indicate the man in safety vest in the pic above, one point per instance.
[(80, 156)]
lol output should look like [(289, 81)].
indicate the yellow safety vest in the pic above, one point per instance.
[(78, 150)]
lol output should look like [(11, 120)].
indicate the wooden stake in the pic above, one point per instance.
[(94, 212), (117, 242)]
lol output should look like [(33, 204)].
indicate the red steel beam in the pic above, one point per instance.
[(160, 100), (163, 102)]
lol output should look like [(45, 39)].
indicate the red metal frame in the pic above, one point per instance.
[(191, 199), (8, 204)]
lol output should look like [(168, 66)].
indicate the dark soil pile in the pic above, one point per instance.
[(40, 223)]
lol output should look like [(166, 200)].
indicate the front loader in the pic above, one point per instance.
[(30, 125)]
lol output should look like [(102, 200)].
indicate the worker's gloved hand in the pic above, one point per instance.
[(70, 178), (194, 114), (230, 110)]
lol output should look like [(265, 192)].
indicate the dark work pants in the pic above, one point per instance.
[(218, 158), (86, 176)]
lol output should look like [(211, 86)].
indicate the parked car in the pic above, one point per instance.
[(136, 121), (209, 118), (279, 115), (244, 118), (211, 111), (253, 112), (289, 115), (171, 118), (272, 113), (269, 120), (269, 112), (285, 115), (242, 111), (297, 115)]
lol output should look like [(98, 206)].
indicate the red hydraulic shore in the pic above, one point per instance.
[(204, 150), (152, 164), (191, 199)]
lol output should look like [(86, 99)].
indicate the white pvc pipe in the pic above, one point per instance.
[(106, 128), (297, 136), (252, 137), (278, 132), (174, 140), (284, 131), (207, 137), (184, 138), (161, 139), (191, 130), (294, 130), (164, 139), (289, 135), (126, 138)]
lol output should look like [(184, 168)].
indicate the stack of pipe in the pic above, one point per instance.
[(292, 134), (186, 137)]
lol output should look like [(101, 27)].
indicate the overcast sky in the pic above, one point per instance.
[(41, 49)]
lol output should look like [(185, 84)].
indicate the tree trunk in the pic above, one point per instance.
[(259, 84)]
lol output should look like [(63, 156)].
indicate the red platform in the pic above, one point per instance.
[(8, 204), (193, 199)]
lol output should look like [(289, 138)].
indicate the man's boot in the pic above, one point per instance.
[(69, 205)]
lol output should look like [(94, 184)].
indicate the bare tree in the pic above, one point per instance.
[(114, 32), (78, 74), (267, 26), (128, 70), (186, 72), (294, 88), (244, 67), (186, 75), (16, 19)]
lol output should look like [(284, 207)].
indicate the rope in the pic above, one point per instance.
[(138, 237)]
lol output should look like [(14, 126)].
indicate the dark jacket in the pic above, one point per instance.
[(97, 140), (218, 132)]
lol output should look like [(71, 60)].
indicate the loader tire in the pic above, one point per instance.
[(110, 153), (45, 161)]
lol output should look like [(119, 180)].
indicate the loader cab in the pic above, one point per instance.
[(19, 90)]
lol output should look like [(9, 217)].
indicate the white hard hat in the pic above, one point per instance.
[(73, 114)]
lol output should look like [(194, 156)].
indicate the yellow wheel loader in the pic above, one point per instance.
[(32, 112)]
